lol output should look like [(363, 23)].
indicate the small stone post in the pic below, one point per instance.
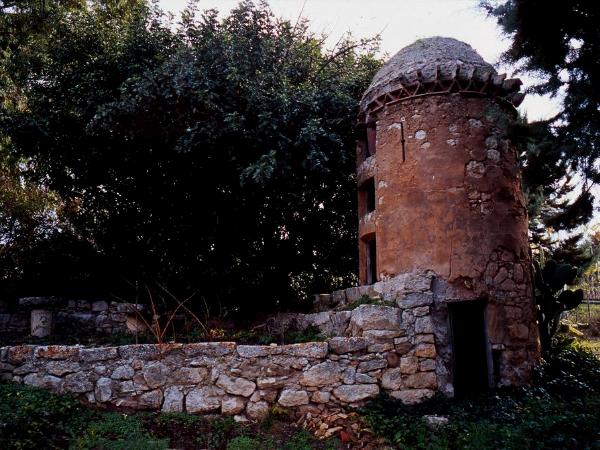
[(41, 322)]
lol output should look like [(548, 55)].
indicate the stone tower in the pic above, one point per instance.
[(440, 191)]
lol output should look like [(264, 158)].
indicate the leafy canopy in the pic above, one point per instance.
[(215, 157), (558, 43)]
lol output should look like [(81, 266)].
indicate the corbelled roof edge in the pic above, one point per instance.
[(437, 65)]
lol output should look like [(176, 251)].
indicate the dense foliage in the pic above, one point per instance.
[(32, 418), (216, 159), (558, 43), (552, 298), (560, 411)]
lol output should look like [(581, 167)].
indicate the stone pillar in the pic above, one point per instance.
[(41, 323)]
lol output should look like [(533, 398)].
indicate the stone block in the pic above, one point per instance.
[(427, 365), (374, 364), (60, 368), (323, 374), (103, 390), (306, 350), (424, 325), (320, 397), (412, 396), (151, 400), (341, 345), (425, 351), (409, 365), (123, 373), (380, 348), (190, 375), (173, 401), (289, 397), (374, 317), (391, 379), (78, 383), (415, 299), (57, 352), (257, 410), (98, 354), (363, 378), (100, 305), (210, 349), (382, 336), (155, 374), (236, 386), (231, 406), (349, 375), (204, 400), (421, 380), (271, 382), (355, 393), (45, 382), (41, 323)]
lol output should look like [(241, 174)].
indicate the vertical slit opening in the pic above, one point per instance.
[(371, 139), (367, 191), (371, 263)]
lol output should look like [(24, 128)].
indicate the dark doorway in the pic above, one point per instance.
[(371, 260), (469, 347)]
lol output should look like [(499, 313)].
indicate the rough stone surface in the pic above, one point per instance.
[(173, 400), (42, 316), (236, 386), (155, 374), (293, 398), (203, 400), (456, 177), (233, 405), (426, 55), (103, 391), (342, 345), (374, 317), (355, 393), (123, 373), (257, 410), (324, 374), (41, 323)]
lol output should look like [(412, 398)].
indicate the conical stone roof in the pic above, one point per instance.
[(435, 58)]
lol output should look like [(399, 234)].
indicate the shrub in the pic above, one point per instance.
[(114, 431), (33, 418), (561, 410)]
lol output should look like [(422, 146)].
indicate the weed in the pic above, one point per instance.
[(366, 300), (244, 443)]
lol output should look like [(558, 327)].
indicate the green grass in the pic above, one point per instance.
[(32, 418), (584, 313), (585, 319), (561, 411)]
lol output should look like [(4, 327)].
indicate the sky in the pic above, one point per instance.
[(399, 23)]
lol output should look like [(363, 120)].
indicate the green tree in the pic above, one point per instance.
[(558, 43), (215, 158)]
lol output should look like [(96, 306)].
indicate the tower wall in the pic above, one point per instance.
[(451, 202), (455, 200)]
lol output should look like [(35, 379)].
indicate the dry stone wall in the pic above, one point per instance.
[(379, 348), (94, 316), (404, 350)]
